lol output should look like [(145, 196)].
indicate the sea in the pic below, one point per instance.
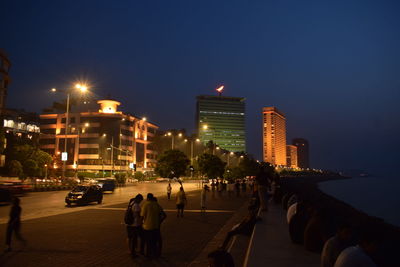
[(376, 196)]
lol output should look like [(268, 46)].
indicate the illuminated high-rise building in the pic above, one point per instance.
[(274, 136), (221, 119), (291, 155), (302, 152)]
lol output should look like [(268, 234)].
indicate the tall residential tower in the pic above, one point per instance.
[(274, 136), (221, 119)]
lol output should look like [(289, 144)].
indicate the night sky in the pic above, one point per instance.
[(331, 66)]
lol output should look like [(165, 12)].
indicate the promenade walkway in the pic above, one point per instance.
[(270, 244), (96, 235)]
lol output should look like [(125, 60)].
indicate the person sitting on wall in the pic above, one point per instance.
[(360, 255), (336, 244), (299, 221), (245, 227), (318, 230)]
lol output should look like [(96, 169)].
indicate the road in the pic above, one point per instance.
[(40, 204)]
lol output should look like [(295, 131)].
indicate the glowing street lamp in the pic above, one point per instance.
[(229, 156), (83, 88), (173, 138)]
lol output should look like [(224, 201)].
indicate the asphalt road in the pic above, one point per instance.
[(42, 204), (94, 235)]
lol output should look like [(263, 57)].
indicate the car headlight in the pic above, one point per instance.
[(79, 197)]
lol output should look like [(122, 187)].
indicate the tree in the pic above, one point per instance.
[(30, 168), (234, 173), (42, 159), (249, 166), (15, 168), (211, 166), (25, 152), (172, 163), (21, 153)]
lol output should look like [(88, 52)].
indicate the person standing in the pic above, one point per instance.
[(237, 188), (180, 202), (203, 198), (159, 242), (262, 182), (151, 213), (135, 230), (169, 189), (14, 224)]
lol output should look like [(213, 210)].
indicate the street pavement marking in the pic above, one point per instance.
[(173, 210)]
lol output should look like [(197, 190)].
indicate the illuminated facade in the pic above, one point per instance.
[(274, 136), (291, 153), (106, 139), (221, 119), (302, 152), (5, 65)]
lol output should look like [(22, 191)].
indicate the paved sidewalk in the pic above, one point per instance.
[(271, 245), (96, 236)]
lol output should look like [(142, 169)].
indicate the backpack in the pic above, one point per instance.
[(129, 214)]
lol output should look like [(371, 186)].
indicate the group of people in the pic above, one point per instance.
[(340, 243), (143, 224)]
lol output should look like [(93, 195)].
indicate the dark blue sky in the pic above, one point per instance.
[(331, 66)]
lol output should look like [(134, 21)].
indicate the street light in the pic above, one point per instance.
[(83, 88), (173, 138), (229, 156), (191, 148)]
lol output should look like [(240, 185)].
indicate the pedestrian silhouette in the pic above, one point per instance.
[(14, 224)]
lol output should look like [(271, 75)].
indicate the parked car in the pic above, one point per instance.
[(107, 184), (84, 194)]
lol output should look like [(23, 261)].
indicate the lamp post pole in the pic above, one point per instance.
[(112, 155), (66, 138)]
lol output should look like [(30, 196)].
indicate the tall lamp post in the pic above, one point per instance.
[(83, 89), (173, 138), (229, 156), (191, 148)]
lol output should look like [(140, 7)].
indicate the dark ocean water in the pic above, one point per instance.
[(376, 196)]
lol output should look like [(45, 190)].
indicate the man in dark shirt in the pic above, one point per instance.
[(14, 223)]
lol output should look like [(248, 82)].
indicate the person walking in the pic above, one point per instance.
[(169, 189), (180, 202), (14, 224), (135, 230), (151, 213)]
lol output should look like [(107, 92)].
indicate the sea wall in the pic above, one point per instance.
[(306, 188)]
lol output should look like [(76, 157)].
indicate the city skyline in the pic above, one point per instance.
[(326, 76)]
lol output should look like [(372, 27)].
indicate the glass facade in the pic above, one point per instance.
[(222, 120)]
